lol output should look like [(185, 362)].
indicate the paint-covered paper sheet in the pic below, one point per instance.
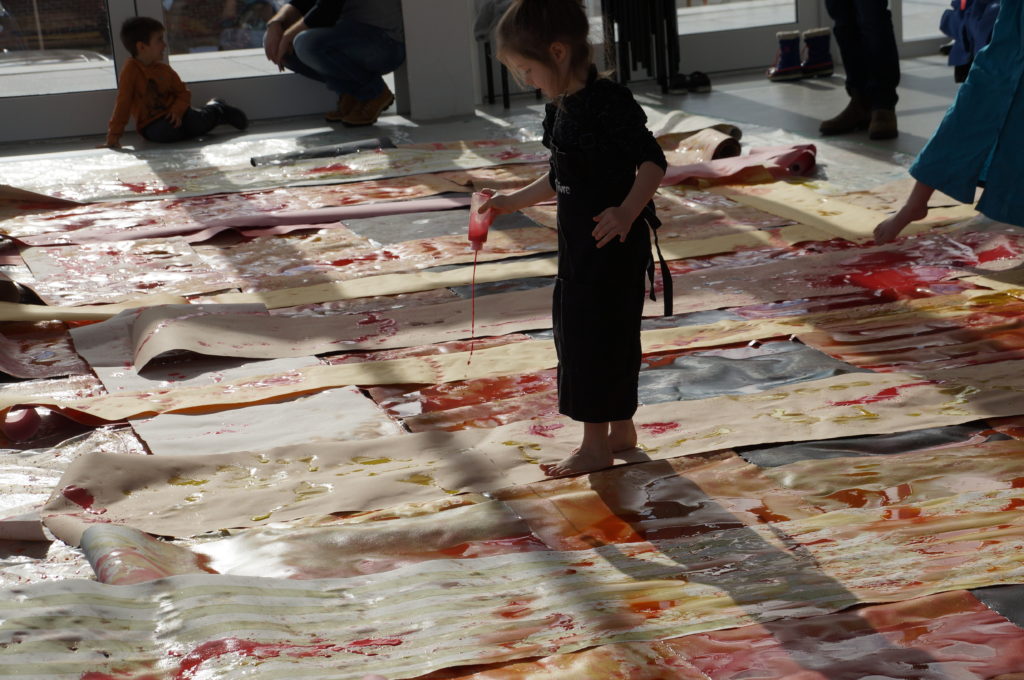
[(121, 270)]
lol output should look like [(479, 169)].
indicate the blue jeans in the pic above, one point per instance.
[(349, 58)]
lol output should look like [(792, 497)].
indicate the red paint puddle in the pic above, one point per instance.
[(1001, 252), (855, 498), (767, 516), (650, 609), (655, 429), (884, 395), (82, 498)]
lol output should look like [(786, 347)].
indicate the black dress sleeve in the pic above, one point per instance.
[(549, 126), (624, 125)]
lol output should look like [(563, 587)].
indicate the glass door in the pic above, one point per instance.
[(727, 35), (63, 56), (54, 47)]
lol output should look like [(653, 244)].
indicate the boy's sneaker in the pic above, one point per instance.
[(367, 112), (232, 115), (699, 82)]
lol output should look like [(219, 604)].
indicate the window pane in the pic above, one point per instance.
[(54, 46), (921, 18), (706, 16), (218, 39)]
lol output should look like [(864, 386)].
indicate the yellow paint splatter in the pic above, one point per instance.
[(367, 460), (184, 481), (789, 417), (862, 414)]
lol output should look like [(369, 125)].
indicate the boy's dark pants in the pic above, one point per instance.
[(195, 123)]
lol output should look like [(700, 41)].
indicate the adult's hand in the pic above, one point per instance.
[(284, 47), (272, 41)]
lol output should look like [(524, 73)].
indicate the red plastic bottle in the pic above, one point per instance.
[(479, 222)]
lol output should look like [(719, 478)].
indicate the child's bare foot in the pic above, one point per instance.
[(583, 459), (595, 453), (622, 435)]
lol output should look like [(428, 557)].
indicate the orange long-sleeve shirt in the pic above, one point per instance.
[(146, 93)]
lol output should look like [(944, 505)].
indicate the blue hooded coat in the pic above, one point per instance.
[(981, 137)]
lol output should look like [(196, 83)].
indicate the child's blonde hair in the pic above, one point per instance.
[(529, 28)]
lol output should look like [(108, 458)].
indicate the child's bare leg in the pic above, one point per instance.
[(594, 453), (622, 435), (913, 209)]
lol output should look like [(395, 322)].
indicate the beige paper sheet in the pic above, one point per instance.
[(520, 357), (220, 492), (832, 215), (259, 336), (10, 311), (335, 415)]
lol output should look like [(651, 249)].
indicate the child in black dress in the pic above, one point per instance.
[(605, 168)]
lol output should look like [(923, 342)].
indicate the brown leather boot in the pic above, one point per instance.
[(883, 124), (346, 103), (854, 117), (367, 112)]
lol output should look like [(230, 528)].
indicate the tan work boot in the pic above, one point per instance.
[(367, 112), (346, 103), (854, 117), (883, 124)]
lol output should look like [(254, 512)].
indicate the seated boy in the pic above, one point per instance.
[(152, 92)]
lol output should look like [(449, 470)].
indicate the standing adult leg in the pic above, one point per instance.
[(882, 66), (847, 32)]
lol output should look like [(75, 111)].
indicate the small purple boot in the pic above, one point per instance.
[(787, 61), (817, 61)]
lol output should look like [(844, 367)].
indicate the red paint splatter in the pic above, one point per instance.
[(655, 429), (544, 430), (1014, 504), (1001, 252), (516, 609), (143, 188), (82, 498), (884, 395), (902, 513), (335, 167), (472, 310), (267, 650), (376, 642)]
